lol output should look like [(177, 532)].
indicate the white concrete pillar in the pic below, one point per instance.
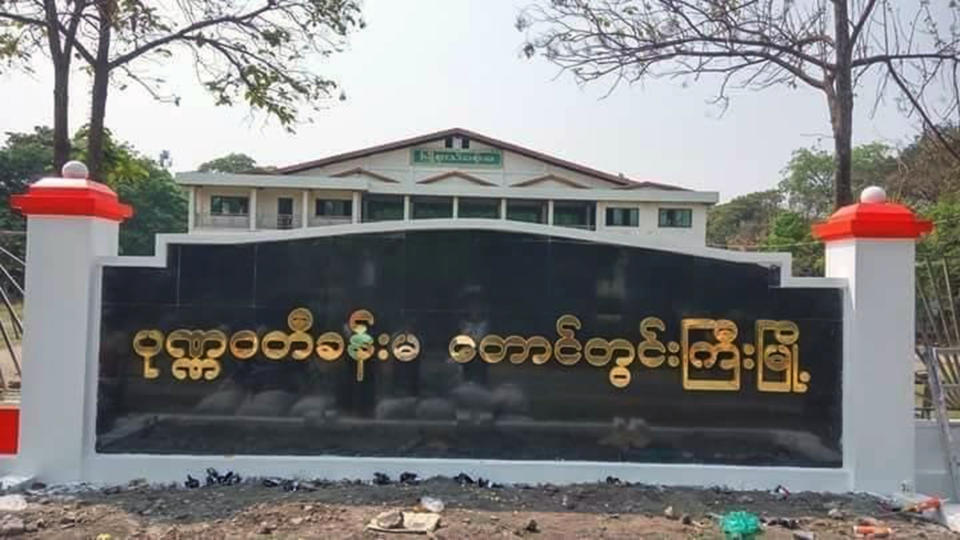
[(456, 207), (550, 212), (305, 208), (406, 208), (253, 209), (70, 223), (355, 210), (503, 209), (871, 245), (191, 208)]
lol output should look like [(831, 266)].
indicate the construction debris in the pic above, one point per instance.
[(13, 503), (393, 521), (431, 504)]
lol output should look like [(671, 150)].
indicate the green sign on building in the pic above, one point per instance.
[(487, 158)]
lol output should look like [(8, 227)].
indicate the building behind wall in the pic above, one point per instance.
[(450, 174)]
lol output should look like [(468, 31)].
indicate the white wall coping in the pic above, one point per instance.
[(163, 241), (357, 183)]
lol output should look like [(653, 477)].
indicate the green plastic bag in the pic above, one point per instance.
[(740, 525)]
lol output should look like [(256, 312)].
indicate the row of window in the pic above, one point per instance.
[(579, 214)]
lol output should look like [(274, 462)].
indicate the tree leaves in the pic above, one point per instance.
[(230, 163), (159, 203)]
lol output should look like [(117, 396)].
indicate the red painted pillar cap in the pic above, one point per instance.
[(72, 195), (872, 217)]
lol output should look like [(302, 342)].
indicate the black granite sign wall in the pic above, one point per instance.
[(468, 344)]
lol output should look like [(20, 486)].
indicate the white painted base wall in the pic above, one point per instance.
[(121, 468), (930, 468), (930, 472)]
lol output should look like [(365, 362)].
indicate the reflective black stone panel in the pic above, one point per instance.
[(468, 344)]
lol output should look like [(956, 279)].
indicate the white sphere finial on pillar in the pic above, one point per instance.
[(74, 169), (873, 194)]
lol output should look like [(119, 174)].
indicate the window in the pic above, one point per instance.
[(479, 208), (284, 206), (382, 208), (576, 214), (333, 208), (465, 143), (222, 205), (529, 211), (623, 217), (448, 142), (676, 217), (431, 207)]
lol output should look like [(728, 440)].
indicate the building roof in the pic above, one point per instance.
[(616, 179)]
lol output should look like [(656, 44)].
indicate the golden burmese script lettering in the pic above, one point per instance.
[(707, 353)]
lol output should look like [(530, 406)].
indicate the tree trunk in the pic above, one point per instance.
[(98, 97), (841, 109), (61, 123), (61, 87)]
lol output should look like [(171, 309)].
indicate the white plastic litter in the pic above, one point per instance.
[(12, 503)]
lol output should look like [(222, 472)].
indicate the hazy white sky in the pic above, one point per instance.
[(421, 66)]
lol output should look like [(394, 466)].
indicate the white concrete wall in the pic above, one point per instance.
[(57, 351), (649, 225), (204, 220), (878, 383), (930, 469), (119, 468)]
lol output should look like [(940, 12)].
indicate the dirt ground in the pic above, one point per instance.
[(342, 510)]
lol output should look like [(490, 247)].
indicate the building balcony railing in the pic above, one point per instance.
[(322, 221), (279, 221), (267, 221), (223, 221)]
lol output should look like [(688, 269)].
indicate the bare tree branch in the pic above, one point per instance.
[(756, 44)]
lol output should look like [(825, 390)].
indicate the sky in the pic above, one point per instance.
[(426, 65)]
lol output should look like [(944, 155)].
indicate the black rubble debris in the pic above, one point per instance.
[(271, 482), (463, 479), (294, 485), (409, 478), (288, 484), (381, 479), (614, 481), (786, 523), (214, 478)]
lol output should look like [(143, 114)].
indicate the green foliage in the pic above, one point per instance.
[(744, 221), (230, 163), (790, 232), (944, 241), (780, 219), (807, 183), (159, 204)]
